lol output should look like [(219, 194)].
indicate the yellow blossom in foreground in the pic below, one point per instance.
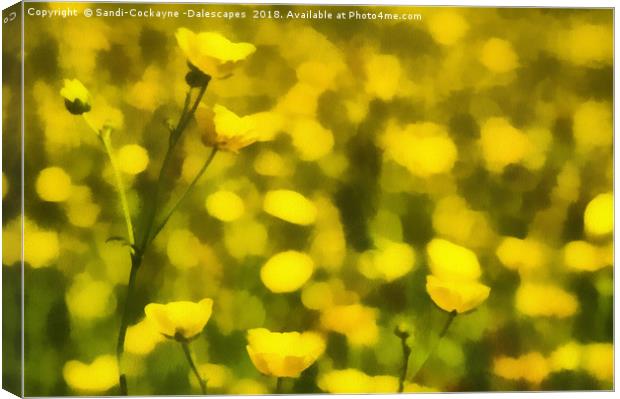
[(287, 271), (355, 381), (181, 319), (290, 206), (53, 184), (211, 52), (534, 299), (142, 338), (225, 130), (460, 296), (532, 367), (225, 206), (598, 218), (97, 377), (357, 322), (283, 354), (77, 97), (449, 261)]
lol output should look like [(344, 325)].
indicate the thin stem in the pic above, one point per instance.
[(188, 356), (175, 135), (443, 332), (406, 353), (104, 136), (136, 260), (189, 188)]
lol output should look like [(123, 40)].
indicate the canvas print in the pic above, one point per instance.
[(284, 199)]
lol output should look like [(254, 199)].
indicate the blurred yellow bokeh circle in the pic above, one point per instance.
[(287, 271), (133, 159), (598, 219), (290, 206), (53, 184), (225, 206)]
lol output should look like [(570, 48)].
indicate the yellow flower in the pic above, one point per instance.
[(283, 354), (223, 129), (97, 377), (456, 295), (212, 53), (355, 381), (77, 97), (181, 320)]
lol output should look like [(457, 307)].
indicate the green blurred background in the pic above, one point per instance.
[(487, 127)]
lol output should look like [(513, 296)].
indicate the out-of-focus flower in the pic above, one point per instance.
[(89, 299), (503, 144), (182, 320), (133, 159), (224, 130), (142, 337), (583, 256), (287, 271), (357, 322), (212, 53), (598, 218), (521, 254), (53, 184), (390, 261), (97, 377), (456, 295), (566, 357), (447, 27), (532, 367), (5, 185), (355, 381), (283, 354), (536, 299), (225, 206), (77, 97), (290, 206), (598, 360), (216, 375), (499, 56)]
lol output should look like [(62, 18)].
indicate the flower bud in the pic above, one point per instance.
[(77, 97)]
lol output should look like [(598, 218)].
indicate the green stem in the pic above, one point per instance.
[(175, 135), (104, 136), (136, 260), (192, 365), (189, 188), (279, 385), (443, 332), (406, 354)]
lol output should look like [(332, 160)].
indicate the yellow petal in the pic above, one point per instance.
[(449, 261), (184, 318), (459, 296)]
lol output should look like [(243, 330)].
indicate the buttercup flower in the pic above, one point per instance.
[(223, 129), (212, 53), (96, 377), (181, 320), (456, 295), (283, 354), (77, 97)]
